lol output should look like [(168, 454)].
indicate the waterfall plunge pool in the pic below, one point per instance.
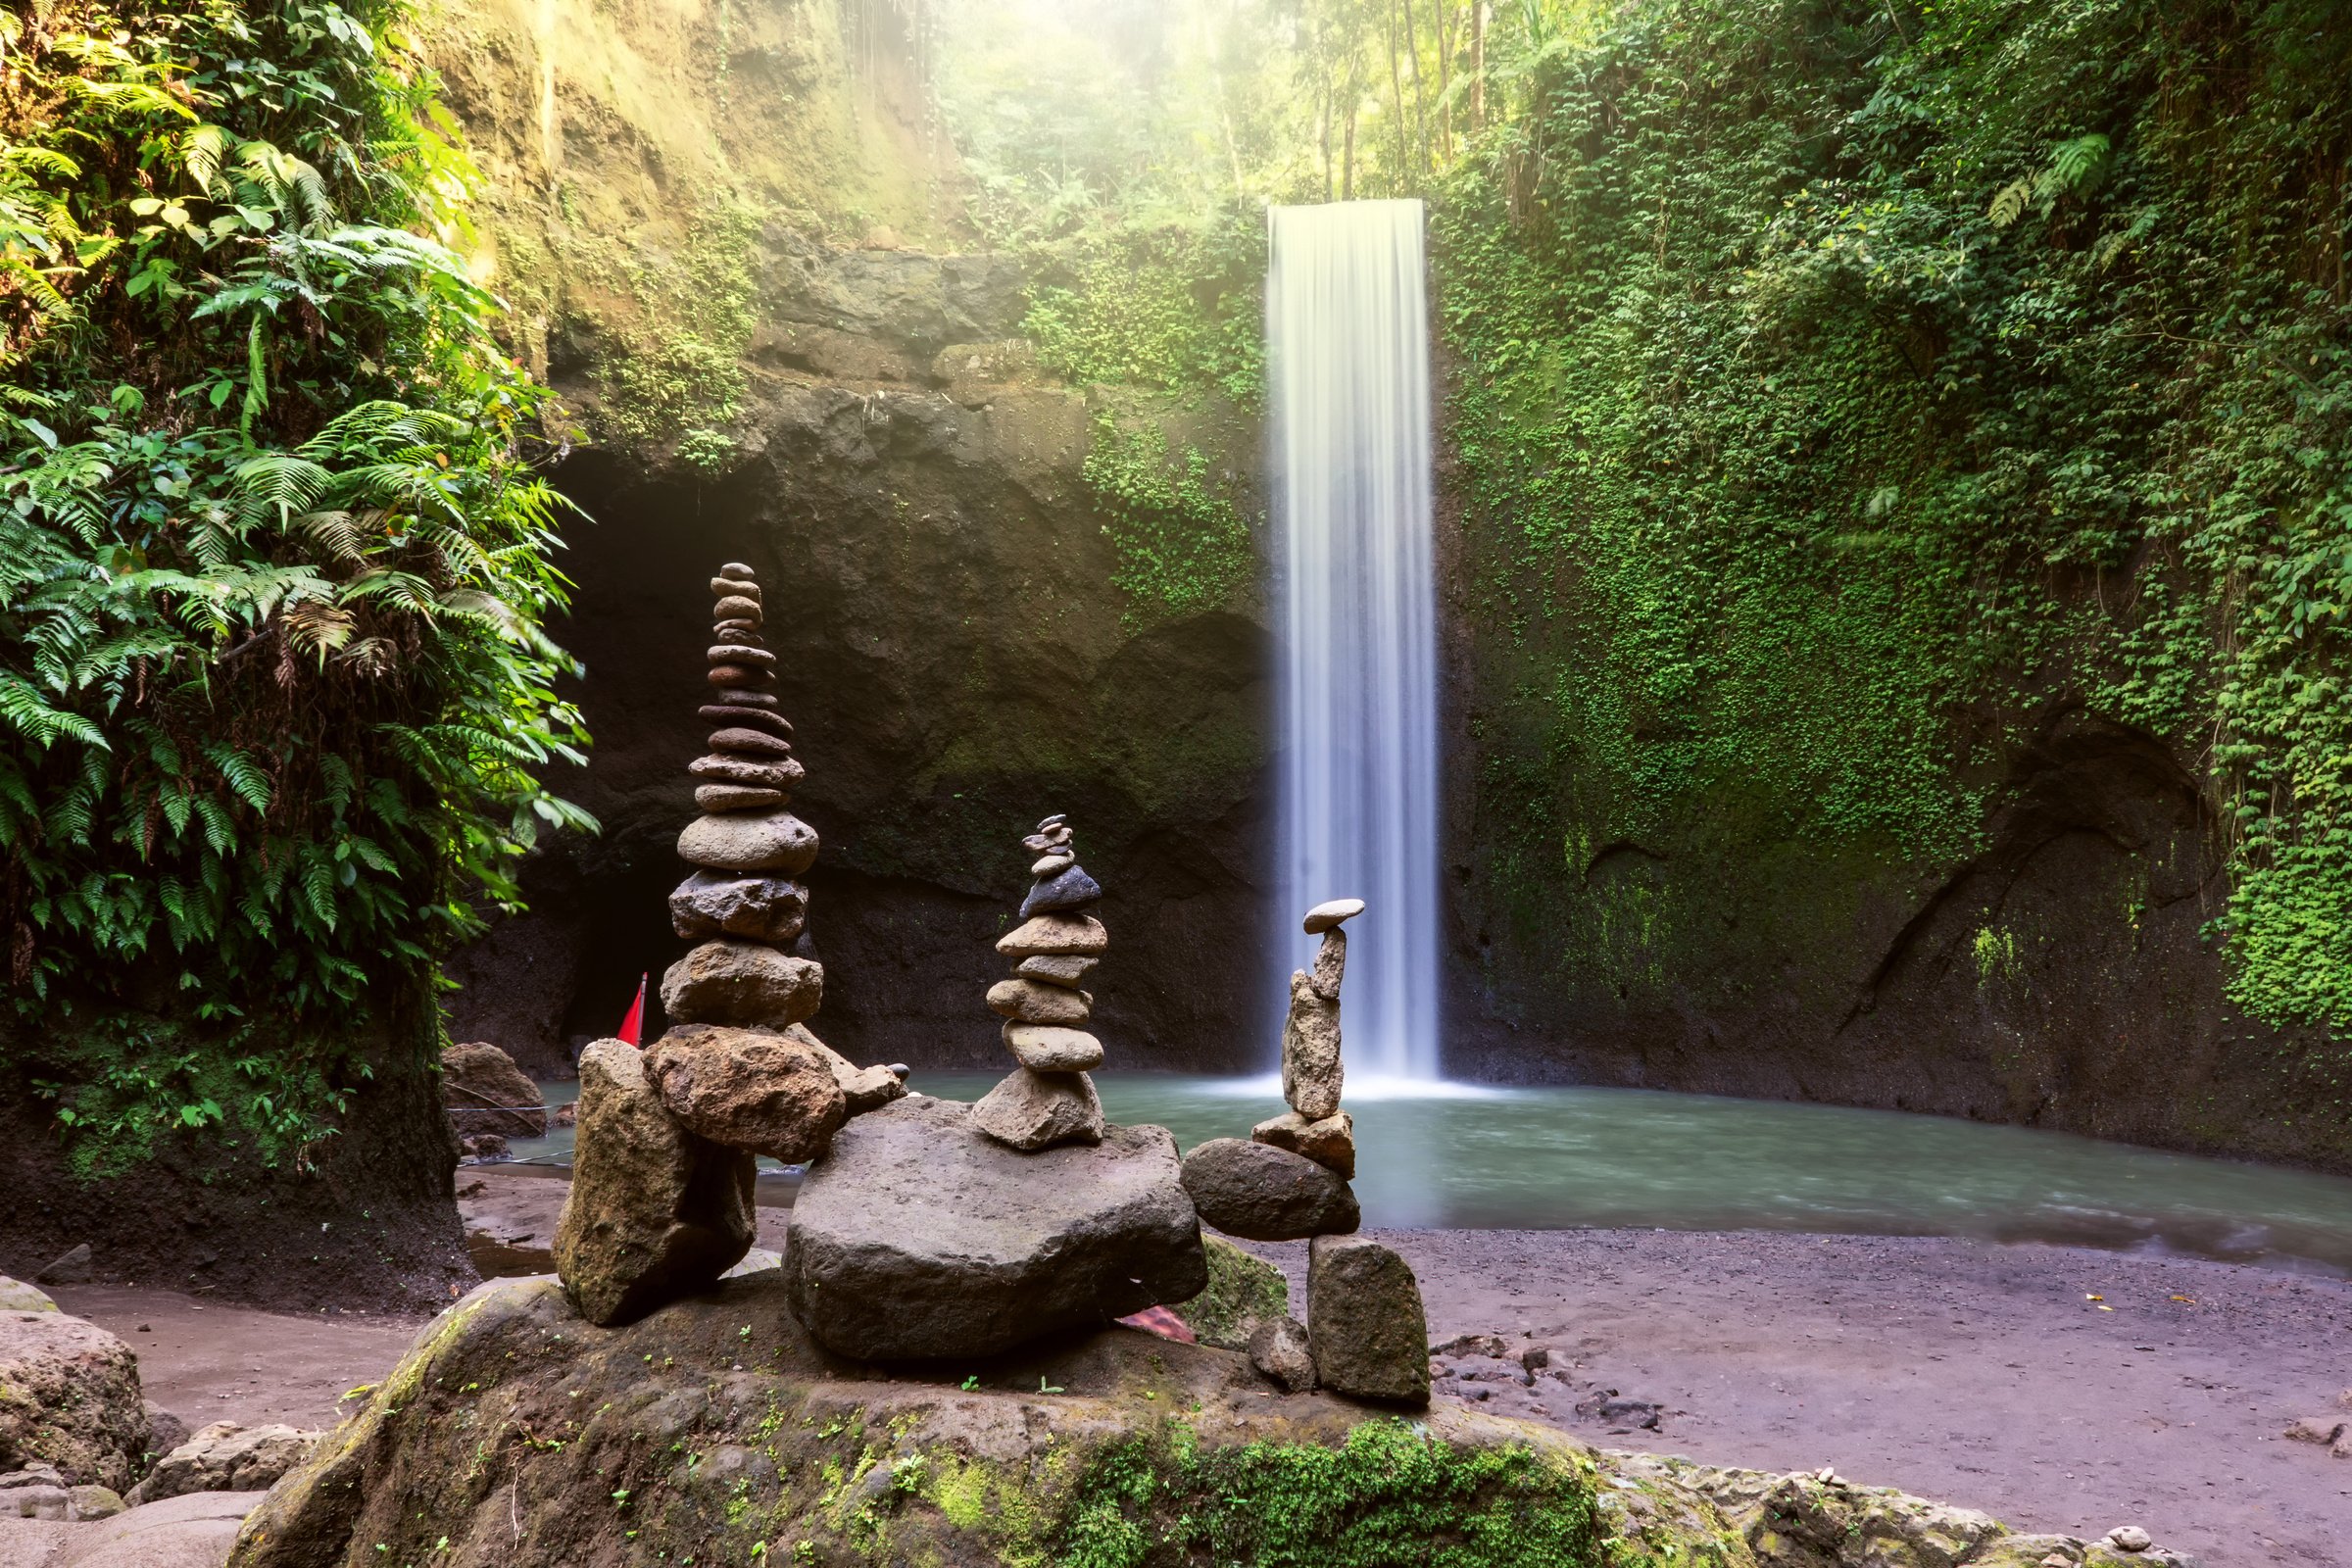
[(1472, 1156)]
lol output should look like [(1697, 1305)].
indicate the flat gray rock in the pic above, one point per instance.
[(1267, 1194), (918, 1239)]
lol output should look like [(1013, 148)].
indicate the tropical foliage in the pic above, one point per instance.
[(272, 567)]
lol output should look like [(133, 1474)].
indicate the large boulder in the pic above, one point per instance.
[(70, 1398), (917, 1237), (485, 1092), (1364, 1321), (748, 1089), (655, 1212), (1267, 1193), (225, 1457)]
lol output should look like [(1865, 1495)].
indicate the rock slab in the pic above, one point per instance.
[(70, 1398), (1267, 1194), (916, 1237), (748, 1089), (655, 1212), (1364, 1321)]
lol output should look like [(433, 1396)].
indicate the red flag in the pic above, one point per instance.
[(634, 1024)]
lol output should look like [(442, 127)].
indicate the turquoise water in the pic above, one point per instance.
[(1554, 1158)]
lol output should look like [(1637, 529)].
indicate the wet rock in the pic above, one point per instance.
[(749, 841), (1072, 889), (758, 909), (1055, 935), (225, 1457), (1028, 1002), (742, 983), (1244, 1291), (1267, 1194), (72, 1267), (1034, 1110), (1330, 1141), (1043, 1047), (485, 1092), (915, 1238), (1330, 914), (18, 1297), (748, 1089), (1279, 1349), (1311, 1073), (1064, 970), (1364, 1320), (655, 1212), (70, 1398)]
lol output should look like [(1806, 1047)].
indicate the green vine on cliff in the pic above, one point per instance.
[(273, 569), (1182, 544)]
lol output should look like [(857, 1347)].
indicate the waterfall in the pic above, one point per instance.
[(1347, 345)]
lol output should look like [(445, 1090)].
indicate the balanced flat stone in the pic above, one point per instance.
[(1364, 1321), (749, 742), (758, 908), (735, 585), (916, 1239), (732, 675), (737, 798), (1331, 965), (1053, 936), (1032, 1110), (655, 1212), (1265, 1194), (1044, 1048), (1331, 913), (774, 723), (864, 1089), (1330, 1141), (1311, 1073), (736, 569), (1027, 1001), (1053, 865), (749, 1089), (1073, 889), (742, 983), (765, 841), (1064, 969), (764, 772), (740, 654), (746, 697)]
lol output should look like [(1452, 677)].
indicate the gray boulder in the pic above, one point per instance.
[(72, 1267), (70, 1398), (916, 1237), (758, 909), (1267, 1193), (225, 1457), (655, 1212), (485, 1092), (1364, 1321)]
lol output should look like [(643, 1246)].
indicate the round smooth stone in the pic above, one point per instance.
[(1027, 1001), (740, 654), (746, 632), (734, 588), (1332, 912), (748, 676), (768, 841), (1046, 843), (1053, 865), (750, 714), (1053, 821), (736, 569), (776, 773), (734, 606), (737, 798), (743, 697), (1043, 1047), (750, 742)]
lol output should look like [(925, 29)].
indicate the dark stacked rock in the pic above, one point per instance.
[(1049, 1099)]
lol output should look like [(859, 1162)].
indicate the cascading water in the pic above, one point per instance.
[(1347, 338)]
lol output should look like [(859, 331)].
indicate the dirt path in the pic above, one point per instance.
[(1978, 1374)]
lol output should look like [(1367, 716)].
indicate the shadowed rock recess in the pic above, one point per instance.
[(715, 1430)]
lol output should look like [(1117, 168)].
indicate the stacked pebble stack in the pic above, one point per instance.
[(1049, 1100), (1311, 1073)]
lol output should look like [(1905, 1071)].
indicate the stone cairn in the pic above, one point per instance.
[(1049, 1100), (662, 1168), (1367, 1333)]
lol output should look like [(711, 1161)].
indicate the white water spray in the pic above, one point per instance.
[(1347, 341)]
